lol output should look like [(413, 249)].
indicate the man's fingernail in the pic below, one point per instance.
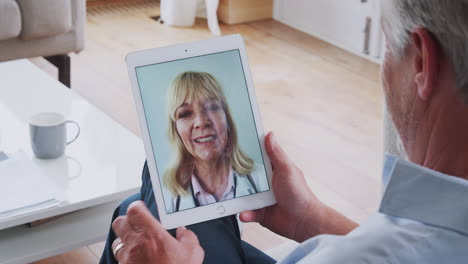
[(273, 138), (133, 205), (116, 221), (183, 228)]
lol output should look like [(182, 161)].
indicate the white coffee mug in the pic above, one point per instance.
[(48, 133)]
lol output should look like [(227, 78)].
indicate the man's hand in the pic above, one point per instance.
[(146, 241), (298, 214)]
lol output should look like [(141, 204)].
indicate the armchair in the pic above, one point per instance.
[(47, 28)]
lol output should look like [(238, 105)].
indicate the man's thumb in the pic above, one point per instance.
[(252, 216), (279, 159)]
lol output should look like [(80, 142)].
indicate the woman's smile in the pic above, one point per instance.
[(205, 139)]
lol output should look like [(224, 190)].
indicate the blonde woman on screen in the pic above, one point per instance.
[(209, 165)]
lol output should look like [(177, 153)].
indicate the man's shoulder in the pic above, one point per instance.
[(385, 239), (408, 241)]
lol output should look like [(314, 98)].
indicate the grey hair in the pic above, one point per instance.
[(447, 20)]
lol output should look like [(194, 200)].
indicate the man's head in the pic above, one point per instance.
[(426, 64)]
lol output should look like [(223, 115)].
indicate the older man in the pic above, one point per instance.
[(423, 217)]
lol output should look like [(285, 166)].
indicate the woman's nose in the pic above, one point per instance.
[(201, 120)]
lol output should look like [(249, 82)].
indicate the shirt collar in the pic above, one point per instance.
[(418, 193), (198, 189), (231, 186)]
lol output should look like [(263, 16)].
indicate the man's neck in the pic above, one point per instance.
[(440, 139)]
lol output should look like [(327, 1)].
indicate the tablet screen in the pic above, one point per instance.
[(202, 130)]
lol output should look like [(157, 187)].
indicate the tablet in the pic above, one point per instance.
[(201, 130)]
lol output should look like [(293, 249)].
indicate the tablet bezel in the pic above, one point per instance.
[(185, 51)]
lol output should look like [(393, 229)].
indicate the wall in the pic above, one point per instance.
[(341, 23)]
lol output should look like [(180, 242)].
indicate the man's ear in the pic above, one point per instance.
[(426, 62)]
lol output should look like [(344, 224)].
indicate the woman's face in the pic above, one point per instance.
[(202, 126)]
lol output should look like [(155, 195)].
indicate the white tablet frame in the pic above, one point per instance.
[(184, 51)]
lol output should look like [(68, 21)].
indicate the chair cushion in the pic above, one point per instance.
[(45, 18), (10, 19)]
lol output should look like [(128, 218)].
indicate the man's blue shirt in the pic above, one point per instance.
[(423, 218)]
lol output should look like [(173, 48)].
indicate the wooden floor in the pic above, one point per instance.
[(324, 104)]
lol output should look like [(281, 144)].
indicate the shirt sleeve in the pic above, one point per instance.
[(372, 242)]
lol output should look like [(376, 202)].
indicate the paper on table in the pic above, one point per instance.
[(23, 188)]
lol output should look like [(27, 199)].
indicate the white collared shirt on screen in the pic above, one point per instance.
[(242, 186), (205, 198)]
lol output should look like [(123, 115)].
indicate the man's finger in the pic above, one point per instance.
[(252, 216), (116, 243), (190, 243), (186, 237), (121, 227), (279, 159), (141, 220)]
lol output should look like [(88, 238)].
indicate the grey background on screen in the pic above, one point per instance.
[(154, 81)]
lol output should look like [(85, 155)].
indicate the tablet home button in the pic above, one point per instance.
[(221, 210)]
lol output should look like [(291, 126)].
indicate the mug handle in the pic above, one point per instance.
[(77, 134)]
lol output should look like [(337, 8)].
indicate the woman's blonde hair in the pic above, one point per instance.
[(185, 88)]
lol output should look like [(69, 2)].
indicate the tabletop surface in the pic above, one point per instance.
[(102, 165)]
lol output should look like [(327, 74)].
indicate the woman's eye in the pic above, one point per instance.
[(184, 114), (213, 107)]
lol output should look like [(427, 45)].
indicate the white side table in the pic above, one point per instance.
[(99, 170)]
